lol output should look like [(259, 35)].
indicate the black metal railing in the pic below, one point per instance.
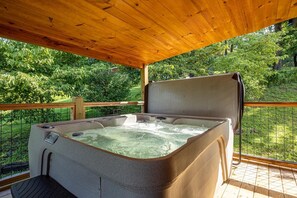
[(16, 121), (15, 127), (93, 111), (269, 130)]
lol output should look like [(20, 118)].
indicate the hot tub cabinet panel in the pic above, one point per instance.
[(195, 169)]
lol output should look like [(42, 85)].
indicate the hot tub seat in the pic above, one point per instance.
[(40, 186)]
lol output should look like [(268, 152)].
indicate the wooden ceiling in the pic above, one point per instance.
[(136, 32)]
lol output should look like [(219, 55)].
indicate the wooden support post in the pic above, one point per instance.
[(79, 109), (144, 82)]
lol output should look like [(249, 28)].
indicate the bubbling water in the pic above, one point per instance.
[(140, 140)]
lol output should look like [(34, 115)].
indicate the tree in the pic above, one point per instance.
[(95, 82), (289, 42), (190, 64), (105, 85), (24, 73), (35, 74), (159, 71), (133, 73), (252, 56), (18, 87)]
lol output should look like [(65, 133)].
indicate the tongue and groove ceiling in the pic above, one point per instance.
[(136, 32)]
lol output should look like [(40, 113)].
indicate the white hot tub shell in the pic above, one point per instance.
[(195, 169)]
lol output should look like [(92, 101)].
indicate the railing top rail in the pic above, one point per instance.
[(121, 103), (270, 104), (36, 106), (65, 105), (104, 104)]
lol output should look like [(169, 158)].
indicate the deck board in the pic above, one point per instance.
[(289, 183), (257, 181), (232, 187), (262, 184), (247, 188), (5, 194)]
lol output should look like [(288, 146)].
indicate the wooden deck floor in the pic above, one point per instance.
[(251, 180), (5, 194)]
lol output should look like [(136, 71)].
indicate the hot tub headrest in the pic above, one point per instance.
[(211, 96)]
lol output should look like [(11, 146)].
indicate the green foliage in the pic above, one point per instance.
[(94, 82), (133, 74), (135, 93), (288, 40), (70, 80), (35, 74), (67, 59), (194, 63), (283, 76), (26, 58), (160, 71), (105, 85), (252, 56), (18, 87), (285, 92), (24, 73)]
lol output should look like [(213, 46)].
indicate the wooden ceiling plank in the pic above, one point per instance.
[(259, 8), (266, 13), (46, 31), (137, 32), (199, 41), (127, 14), (212, 13), (190, 16), (163, 18), (116, 22), (236, 15), (247, 15), (293, 10), (158, 47), (123, 42), (22, 35), (31, 23), (87, 44), (270, 11)]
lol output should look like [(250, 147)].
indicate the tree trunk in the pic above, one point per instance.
[(294, 23), (278, 65), (226, 48), (278, 27), (295, 60)]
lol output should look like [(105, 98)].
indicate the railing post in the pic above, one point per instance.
[(79, 109), (144, 82)]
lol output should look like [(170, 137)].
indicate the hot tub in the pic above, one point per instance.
[(195, 164)]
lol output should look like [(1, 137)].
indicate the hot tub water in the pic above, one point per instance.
[(139, 140)]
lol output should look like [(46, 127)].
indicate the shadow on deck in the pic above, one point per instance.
[(254, 180)]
